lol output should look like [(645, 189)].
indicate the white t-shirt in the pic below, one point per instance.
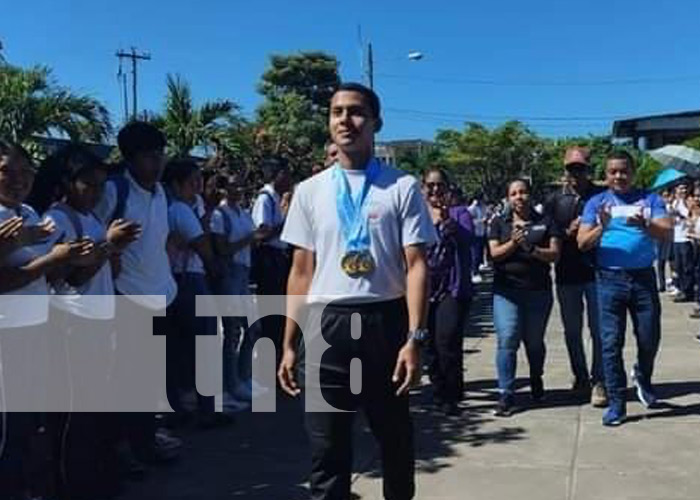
[(398, 217), (145, 267), (29, 305), (267, 211), (184, 223), (680, 224), (241, 224), (94, 299)]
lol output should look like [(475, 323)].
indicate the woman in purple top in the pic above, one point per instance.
[(450, 292)]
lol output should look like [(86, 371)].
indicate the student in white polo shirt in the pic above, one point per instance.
[(194, 267), (359, 231), (234, 232), (144, 276), (24, 310), (70, 182), (270, 259)]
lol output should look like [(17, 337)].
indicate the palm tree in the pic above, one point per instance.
[(32, 104), (187, 126)]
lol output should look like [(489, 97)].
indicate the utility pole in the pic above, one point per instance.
[(370, 66), (135, 58)]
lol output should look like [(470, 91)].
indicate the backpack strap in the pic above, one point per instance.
[(228, 225), (121, 184), (72, 217)]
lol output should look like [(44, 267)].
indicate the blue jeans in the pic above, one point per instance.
[(620, 291), (571, 299), (520, 315), (237, 354)]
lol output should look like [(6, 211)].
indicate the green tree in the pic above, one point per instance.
[(484, 160), (32, 104), (187, 126), (311, 75), (292, 121), (416, 162)]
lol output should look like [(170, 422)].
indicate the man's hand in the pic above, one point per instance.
[(604, 216), (637, 221), (286, 375), (407, 370)]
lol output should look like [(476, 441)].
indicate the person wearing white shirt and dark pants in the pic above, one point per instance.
[(271, 260), (233, 233), (359, 231), (144, 276)]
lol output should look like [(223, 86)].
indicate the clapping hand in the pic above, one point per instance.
[(31, 235), (10, 232), (122, 232)]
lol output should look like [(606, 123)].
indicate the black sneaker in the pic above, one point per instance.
[(505, 406), (536, 389), (697, 337)]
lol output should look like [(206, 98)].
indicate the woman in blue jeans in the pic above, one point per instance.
[(523, 245)]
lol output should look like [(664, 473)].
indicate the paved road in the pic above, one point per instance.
[(556, 451)]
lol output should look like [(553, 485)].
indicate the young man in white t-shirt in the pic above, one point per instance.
[(382, 277), (144, 277)]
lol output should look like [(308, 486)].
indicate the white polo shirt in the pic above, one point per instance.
[(145, 266), (184, 223), (94, 299), (267, 211), (398, 217), (242, 225), (29, 305)]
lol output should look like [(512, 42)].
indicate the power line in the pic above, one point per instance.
[(467, 116), (689, 79)]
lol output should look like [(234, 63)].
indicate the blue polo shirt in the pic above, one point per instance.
[(623, 246)]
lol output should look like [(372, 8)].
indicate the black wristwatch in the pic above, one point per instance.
[(419, 335)]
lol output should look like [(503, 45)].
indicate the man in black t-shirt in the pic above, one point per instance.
[(575, 274)]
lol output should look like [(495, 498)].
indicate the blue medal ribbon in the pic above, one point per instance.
[(354, 226)]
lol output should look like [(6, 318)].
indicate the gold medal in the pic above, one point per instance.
[(357, 264)]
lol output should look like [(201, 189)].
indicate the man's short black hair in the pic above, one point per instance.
[(370, 96), (138, 137)]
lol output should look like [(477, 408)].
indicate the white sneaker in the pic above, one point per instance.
[(476, 279), (484, 267)]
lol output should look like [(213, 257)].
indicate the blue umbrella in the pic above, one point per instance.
[(666, 178)]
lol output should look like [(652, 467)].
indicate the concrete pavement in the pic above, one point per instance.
[(557, 450)]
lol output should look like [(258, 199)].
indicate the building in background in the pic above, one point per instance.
[(390, 151), (651, 132)]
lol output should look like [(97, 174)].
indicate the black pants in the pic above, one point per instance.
[(684, 257), (271, 270), (26, 455), (384, 329), (444, 348)]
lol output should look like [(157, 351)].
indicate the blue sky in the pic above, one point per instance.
[(484, 61)]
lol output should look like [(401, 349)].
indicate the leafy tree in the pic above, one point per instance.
[(484, 160), (32, 104), (311, 75), (187, 126), (292, 121)]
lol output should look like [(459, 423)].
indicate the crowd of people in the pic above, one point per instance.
[(405, 254)]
